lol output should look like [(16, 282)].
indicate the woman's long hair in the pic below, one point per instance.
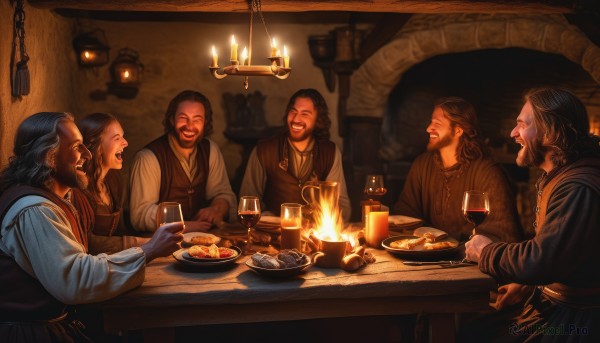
[(188, 95), (462, 114), (36, 141), (323, 123), (562, 124), (92, 129)]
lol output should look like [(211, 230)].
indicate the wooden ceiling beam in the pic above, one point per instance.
[(389, 6)]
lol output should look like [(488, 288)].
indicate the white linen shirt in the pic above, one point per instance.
[(37, 234)]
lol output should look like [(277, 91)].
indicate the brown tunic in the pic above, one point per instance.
[(174, 184), (563, 253), (282, 186), (434, 194)]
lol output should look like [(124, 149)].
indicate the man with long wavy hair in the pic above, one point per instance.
[(182, 166), (457, 161), (44, 262), (279, 166), (553, 131)]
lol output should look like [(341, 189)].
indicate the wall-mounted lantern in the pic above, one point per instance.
[(91, 48), (126, 72)]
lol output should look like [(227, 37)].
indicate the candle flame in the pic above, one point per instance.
[(126, 74), (86, 54), (274, 43), (232, 39), (285, 52), (214, 51)]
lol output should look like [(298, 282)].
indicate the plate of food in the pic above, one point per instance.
[(286, 263), (182, 256), (415, 246), (200, 238), (211, 253)]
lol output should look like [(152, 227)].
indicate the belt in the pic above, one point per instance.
[(573, 296)]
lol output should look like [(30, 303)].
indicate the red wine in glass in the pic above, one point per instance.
[(476, 215), (248, 215), (248, 219), (475, 207)]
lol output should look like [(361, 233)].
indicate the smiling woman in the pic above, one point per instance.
[(103, 135)]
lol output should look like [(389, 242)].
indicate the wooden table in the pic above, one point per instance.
[(172, 296)]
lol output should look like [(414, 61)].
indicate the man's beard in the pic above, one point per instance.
[(531, 155), (307, 133), (184, 143), (441, 143), (72, 180)]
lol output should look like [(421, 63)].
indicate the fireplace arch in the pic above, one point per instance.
[(425, 36)]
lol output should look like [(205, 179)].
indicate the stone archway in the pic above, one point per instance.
[(425, 36)]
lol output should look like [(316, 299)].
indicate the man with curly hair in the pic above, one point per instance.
[(457, 161), (182, 166), (278, 167)]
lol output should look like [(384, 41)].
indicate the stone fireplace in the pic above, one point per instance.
[(490, 60)]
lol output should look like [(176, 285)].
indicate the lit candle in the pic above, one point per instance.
[(88, 56), (234, 48), (215, 58), (274, 51), (377, 228), (125, 75), (244, 56), (286, 58)]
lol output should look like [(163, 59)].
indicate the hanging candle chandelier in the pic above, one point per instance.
[(278, 67)]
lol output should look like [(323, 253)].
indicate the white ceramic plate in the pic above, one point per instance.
[(419, 253)]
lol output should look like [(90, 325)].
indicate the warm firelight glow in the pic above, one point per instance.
[(328, 222)]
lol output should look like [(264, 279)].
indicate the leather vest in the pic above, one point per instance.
[(174, 184), (282, 186), (23, 297)]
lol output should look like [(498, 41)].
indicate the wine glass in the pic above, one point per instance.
[(475, 207), (169, 212), (374, 186), (248, 215)]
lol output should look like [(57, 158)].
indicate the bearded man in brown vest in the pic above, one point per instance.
[(44, 264), (552, 279), (182, 166), (278, 167)]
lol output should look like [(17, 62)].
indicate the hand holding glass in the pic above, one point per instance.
[(475, 207), (169, 212), (248, 215)]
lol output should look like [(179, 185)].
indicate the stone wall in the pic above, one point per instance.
[(425, 36), (48, 43)]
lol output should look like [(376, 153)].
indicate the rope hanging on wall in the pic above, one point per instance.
[(20, 84)]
